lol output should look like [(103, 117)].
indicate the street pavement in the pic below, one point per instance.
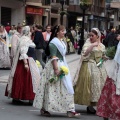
[(8, 111)]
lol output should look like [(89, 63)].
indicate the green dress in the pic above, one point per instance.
[(54, 51), (91, 78)]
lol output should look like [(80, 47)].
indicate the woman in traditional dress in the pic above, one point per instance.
[(109, 103), (12, 32), (4, 49), (57, 96), (24, 76), (91, 75), (70, 42), (14, 41)]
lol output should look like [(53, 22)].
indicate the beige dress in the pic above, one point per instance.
[(91, 78), (53, 96)]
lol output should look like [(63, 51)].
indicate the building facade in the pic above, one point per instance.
[(94, 15), (45, 12), (56, 11), (31, 11), (37, 12), (41, 12), (11, 11), (115, 12)]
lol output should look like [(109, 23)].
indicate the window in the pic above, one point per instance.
[(47, 2), (5, 15)]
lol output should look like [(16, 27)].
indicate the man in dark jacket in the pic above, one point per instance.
[(110, 39), (40, 44)]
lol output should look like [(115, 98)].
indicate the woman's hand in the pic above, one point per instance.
[(26, 67), (95, 44), (57, 72), (105, 58)]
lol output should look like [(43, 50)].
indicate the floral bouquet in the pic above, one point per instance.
[(68, 40), (110, 52), (63, 70), (10, 45), (38, 63)]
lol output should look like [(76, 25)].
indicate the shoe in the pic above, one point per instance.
[(71, 114), (17, 102), (45, 113), (91, 110), (30, 102)]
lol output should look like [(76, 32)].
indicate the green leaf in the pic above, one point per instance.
[(84, 2), (110, 52)]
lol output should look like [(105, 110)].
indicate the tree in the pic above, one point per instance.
[(84, 2)]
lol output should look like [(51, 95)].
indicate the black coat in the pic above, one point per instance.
[(111, 40), (39, 40), (31, 53)]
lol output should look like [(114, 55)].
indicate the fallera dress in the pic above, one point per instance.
[(22, 83), (109, 103), (53, 96), (90, 78), (4, 52)]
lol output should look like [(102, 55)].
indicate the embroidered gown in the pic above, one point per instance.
[(53, 96), (24, 81), (90, 78), (109, 103), (4, 53)]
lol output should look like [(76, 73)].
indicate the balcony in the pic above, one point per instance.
[(115, 1), (96, 10), (115, 4), (56, 4)]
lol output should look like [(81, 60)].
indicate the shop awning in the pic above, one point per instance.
[(34, 10)]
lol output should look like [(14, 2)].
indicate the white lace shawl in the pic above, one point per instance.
[(22, 49), (114, 69), (14, 42), (25, 43), (62, 49)]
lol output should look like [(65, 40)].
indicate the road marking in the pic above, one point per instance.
[(34, 110)]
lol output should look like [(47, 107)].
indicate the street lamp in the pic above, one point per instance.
[(62, 3), (84, 6)]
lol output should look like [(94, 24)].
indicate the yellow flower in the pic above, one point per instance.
[(64, 70), (9, 45), (68, 40), (38, 63)]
